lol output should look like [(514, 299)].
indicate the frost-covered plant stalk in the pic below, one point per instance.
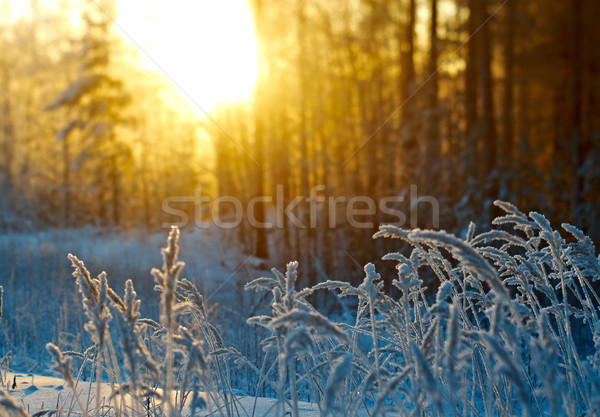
[(95, 295), (166, 280), (285, 301), (496, 338), (181, 360), (62, 365), (510, 328)]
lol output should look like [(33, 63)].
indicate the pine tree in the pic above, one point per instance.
[(95, 103)]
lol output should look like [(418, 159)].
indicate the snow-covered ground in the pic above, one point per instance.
[(511, 329), (41, 303), (37, 393)]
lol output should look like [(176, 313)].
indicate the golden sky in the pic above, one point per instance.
[(206, 48)]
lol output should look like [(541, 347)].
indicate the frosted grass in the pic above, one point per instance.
[(512, 329)]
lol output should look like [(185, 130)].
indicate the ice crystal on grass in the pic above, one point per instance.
[(497, 335), (510, 328)]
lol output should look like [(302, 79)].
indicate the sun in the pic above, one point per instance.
[(207, 49)]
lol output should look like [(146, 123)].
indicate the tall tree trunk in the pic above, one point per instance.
[(66, 181), (565, 142), (7, 142), (487, 123), (407, 85), (433, 138), (261, 247), (581, 142), (306, 243), (508, 146), (115, 188), (471, 152)]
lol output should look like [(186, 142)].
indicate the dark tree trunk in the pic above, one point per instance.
[(407, 85), (581, 142), (487, 122), (7, 142), (471, 152), (433, 180), (508, 145)]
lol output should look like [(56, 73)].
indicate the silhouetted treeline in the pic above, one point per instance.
[(361, 104), (471, 101)]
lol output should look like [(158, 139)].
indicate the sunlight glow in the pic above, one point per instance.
[(205, 48)]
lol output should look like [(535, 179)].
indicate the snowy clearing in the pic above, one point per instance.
[(51, 395)]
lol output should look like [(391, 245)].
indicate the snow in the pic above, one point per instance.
[(36, 393), (374, 360), (36, 276)]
